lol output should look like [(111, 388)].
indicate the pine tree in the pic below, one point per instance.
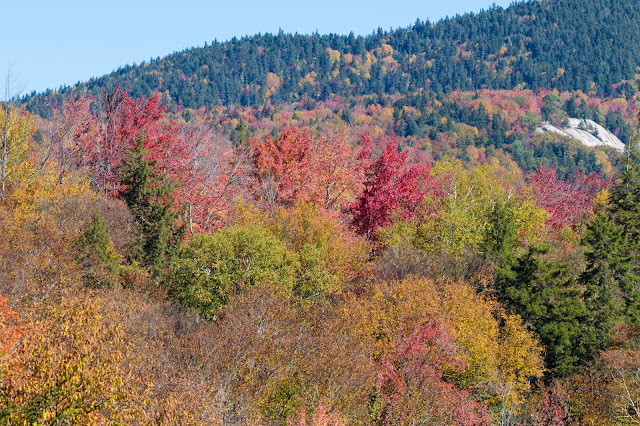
[(500, 231), (95, 240), (545, 295), (149, 197), (607, 267), (625, 197), (613, 247)]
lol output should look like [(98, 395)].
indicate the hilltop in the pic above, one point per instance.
[(561, 44)]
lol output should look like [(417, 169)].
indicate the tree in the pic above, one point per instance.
[(15, 133), (410, 386), (62, 131), (218, 172), (293, 167), (607, 274), (546, 297), (112, 133), (392, 187), (500, 232), (329, 255), (338, 171), (612, 248), (281, 165), (148, 194), (212, 267), (569, 202)]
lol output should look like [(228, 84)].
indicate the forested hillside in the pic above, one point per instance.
[(565, 44), (332, 230), (154, 269)]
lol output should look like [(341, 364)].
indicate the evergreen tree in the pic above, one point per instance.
[(148, 195), (607, 267), (95, 254), (625, 197), (613, 246), (500, 232), (95, 240), (544, 294)]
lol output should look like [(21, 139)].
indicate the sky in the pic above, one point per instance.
[(49, 44)]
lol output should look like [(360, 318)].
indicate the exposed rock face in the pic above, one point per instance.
[(587, 132)]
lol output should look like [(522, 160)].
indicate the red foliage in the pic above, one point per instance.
[(337, 171), (111, 134), (63, 131), (281, 165), (552, 411), (293, 167), (11, 330), (392, 187), (202, 166), (568, 202), (410, 385), (216, 172)]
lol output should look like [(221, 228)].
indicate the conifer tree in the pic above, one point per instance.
[(545, 295), (95, 239), (149, 197), (500, 231), (613, 248), (625, 198), (607, 268)]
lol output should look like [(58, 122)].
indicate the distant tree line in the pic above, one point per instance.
[(563, 44)]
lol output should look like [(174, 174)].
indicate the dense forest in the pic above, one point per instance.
[(381, 235), (563, 44)]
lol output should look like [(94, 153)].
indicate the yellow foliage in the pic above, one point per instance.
[(308, 78), (386, 49), (499, 358), (67, 369), (273, 82), (601, 200), (334, 55), (19, 128), (470, 196)]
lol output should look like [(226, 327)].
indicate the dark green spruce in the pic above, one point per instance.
[(149, 197)]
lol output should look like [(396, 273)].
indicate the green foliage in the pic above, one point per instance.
[(606, 272), (328, 256), (95, 240), (546, 297), (531, 44), (96, 253), (613, 249), (625, 197), (280, 404), (213, 266), (551, 104), (149, 197), (500, 231)]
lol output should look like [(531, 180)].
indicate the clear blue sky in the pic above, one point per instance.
[(54, 43)]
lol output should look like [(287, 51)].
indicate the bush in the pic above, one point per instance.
[(212, 266)]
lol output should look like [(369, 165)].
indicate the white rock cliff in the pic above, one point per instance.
[(588, 132)]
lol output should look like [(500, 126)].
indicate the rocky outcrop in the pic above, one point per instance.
[(588, 132)]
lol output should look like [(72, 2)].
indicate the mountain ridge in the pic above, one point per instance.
[(562, 44)]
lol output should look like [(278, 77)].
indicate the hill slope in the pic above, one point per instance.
[(565, 44)]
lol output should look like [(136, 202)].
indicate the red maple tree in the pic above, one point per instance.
[(392, 187), (569, 202)]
